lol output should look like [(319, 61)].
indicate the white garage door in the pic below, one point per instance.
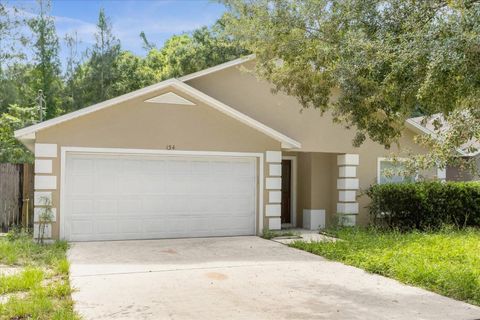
[(147, 197)]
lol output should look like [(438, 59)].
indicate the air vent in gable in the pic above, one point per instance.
[(170, 98)]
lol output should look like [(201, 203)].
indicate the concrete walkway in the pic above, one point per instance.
[(238, 278)]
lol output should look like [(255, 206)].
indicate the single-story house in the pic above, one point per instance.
[(214, 153)]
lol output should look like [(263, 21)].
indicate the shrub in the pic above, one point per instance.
[(425, 205)]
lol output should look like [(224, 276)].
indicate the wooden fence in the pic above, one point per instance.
[(16, 195)]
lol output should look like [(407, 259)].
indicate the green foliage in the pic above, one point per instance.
[(387, 59), (425, 205), (23, 250), (270, 234), (10, 36), (41, 290), (11, 150), (17, 86), (101, 72), (47, 62), (446, 261), (25, 280)]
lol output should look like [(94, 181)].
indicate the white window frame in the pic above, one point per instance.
[(379, 169)]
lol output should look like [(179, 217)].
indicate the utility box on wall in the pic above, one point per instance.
[(313, 219)]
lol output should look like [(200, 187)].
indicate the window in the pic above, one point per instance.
[(390, 171)]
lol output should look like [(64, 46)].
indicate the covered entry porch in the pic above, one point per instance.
[(318, 190)]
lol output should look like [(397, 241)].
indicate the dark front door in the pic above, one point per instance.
[(286, 190)]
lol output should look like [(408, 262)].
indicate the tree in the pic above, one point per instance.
[(47, 63), (187, 53), (11, 150), (105, 50), (147, 45), (389, 58), (131, 73), (11, 37), (73, 62), (17, 86)]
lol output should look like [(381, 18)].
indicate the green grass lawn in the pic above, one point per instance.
[(41, 290), (446, 262)]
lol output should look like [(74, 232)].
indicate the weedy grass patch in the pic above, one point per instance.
[(41, 290), (445, 261)]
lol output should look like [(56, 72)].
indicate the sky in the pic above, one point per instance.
[(159, 19)]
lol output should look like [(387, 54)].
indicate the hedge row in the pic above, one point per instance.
[(425, 205)]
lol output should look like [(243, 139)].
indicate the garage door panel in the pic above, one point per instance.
[(105, 225), (105, 206), (105, 184), (153, 204), (133, 226), (142, 197), (153, 184), (154, 226), (179, 167), (130, 184), (80, 205), (82, 184), (81, 166), (82, 226), (201, 168), (107, 166), (128, 204)]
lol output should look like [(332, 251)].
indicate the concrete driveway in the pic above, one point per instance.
[(238, 278)]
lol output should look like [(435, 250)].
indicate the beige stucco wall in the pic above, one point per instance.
[(317, 172), (139, 125)]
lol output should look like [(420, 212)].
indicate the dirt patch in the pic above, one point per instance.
[(5, 297), (217, 276), (9, 270)]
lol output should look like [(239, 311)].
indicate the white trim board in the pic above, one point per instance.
[(418, 128), (285, 141), (293, 189), (219, 67), (259, 193)]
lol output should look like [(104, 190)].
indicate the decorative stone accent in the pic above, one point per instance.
[(275, 170), (43, 166), (39, 210), (274, 224), (45, 150), (347, 184), (274, 196), (347, 172), (47, 234), (273, 156), (347, 207), (38, 195), (273, 183), (348, 160), (273, 210), (347, 195), (348, 220), (45, 182)]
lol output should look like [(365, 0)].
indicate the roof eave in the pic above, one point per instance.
[(418, 128), (217, 68)]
